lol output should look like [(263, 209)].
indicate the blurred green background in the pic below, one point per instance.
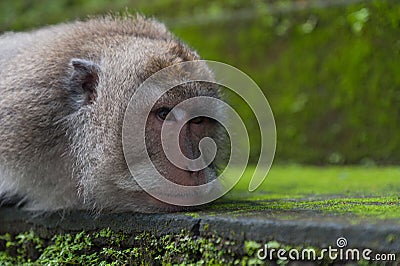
[(329, 68)]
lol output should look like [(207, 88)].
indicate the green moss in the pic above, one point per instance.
[(353, 194), (86, 248), (300, 181), (373, 209), (23, 247), (293, 191), (192, 214), (99, 248)]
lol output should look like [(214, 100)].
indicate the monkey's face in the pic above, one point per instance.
[(107, 179), (174, 132), (183, 131)]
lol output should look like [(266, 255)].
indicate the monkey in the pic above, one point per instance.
[(64, 90)]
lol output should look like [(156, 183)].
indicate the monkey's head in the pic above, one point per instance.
[(102, 87)]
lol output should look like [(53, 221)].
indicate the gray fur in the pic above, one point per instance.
[(59, 150)]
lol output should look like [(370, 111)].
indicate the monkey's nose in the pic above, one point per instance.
[(199, 177)]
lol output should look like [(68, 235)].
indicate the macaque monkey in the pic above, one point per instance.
[(64, 90)]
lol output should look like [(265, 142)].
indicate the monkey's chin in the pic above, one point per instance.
[(158, 206), (142, 202), (169, 208)]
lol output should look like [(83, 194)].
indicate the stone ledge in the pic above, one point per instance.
[(312, 228)]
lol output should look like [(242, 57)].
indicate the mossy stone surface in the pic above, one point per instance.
[(295, 207)]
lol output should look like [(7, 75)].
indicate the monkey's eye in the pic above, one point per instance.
[(197, 120), (163, 112)]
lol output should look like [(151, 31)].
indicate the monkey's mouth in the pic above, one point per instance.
[(188, 178)]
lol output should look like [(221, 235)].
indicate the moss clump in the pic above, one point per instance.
[(110, 248), (193, 214), (25, 247), (107, 247)]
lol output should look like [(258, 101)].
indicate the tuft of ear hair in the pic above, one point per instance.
[(84, 81)]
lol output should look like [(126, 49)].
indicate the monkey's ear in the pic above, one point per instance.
[(84, 80)]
